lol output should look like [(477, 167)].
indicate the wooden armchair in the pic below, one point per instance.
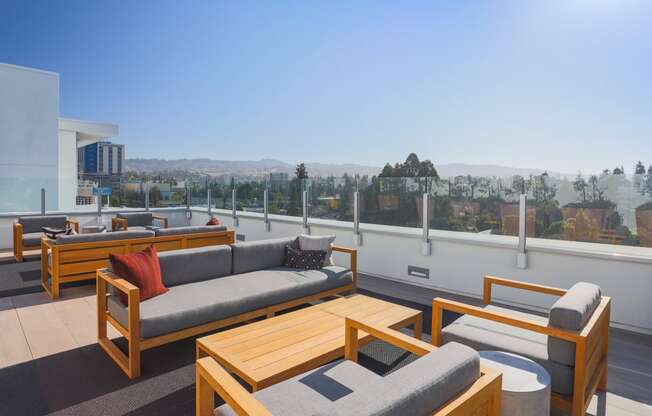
[(22, 244), (121, 222), (591, 342), (482, 397)]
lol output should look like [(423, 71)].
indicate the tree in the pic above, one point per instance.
[(580, 186), (619, 171), (606, 172), (388, 171), (639, 169), (301, 172)]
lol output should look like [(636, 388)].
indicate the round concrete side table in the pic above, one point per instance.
[(526, 384)]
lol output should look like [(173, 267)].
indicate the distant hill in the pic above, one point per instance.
[(265, 166), (244, 167)]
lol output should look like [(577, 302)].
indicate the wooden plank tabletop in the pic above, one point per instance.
[(266, 352)]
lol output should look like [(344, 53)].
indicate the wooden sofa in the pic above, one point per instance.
[(27, 231), (137, 220), (77, 257), (344, 388), (204, 285), (582, 342)]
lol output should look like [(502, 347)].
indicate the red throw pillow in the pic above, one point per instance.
[(213, 221), (140, 269)]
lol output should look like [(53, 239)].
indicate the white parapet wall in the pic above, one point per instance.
[(459, 261)]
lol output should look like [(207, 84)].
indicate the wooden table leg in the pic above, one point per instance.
[(417, 326)]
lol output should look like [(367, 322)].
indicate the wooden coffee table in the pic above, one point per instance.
[(266, 352)]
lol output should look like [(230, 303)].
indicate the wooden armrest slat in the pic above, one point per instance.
[(391, 336), (500, 281), (504, 318), (344, 249), (116, 281), (236, 396)]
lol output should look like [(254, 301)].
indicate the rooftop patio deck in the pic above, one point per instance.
[(50, 362)]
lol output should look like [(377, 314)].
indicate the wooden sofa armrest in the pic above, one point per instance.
[(440, 304), (74, 224), (18, 239), (116, 281), (119, 224), (164, 220), (212, 378), (492, 280), (353, 256), (393, 337)]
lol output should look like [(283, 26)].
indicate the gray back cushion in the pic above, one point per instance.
[(194, 264), (260, 255), (34, 224), (117, 235), (419, 388), (571, 312), (189, 230), (137, 218)]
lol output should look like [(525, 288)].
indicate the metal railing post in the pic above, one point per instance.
[(146, 196), (188, 211), (521, 255), (266, 209), (42, 201), (99, 207), (426, 245), (233, 207), (357, 237), (209, 203), (304, 204)]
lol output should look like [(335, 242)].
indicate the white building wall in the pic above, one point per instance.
[(67, 170), (29, 111)]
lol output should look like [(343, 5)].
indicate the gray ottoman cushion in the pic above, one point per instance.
[(117, 235), (32, 239), (259, 255), (571, 312), (189, 230), (419, 388), (137, 218), (309, 393), (194, 264), (484, 335), (34, 224)]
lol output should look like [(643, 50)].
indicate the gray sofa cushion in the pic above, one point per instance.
[(137, 218), (571, 312), (117, 235), (260, 255), (419, 388), (482, 335), (189, 230), (32, 239), (34, 224), (193, 304), (309, 393), (194, 264)]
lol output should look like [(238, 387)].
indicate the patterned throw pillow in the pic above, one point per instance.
[(304, 259)]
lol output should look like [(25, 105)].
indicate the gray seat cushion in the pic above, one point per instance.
[(482, 335), (309, 393), (189, 230), (260, 255), (137, 218), (35, 224), (117, 235), (32, 239), (571, 312), (419, 388), (194, 264), (193, 304)]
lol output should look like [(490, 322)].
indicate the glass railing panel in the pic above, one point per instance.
[(393, 201), (126, 193), (284, 195), (249, 195), (23, 194), (165, 193)]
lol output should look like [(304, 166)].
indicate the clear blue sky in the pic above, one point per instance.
[(554, 84)]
